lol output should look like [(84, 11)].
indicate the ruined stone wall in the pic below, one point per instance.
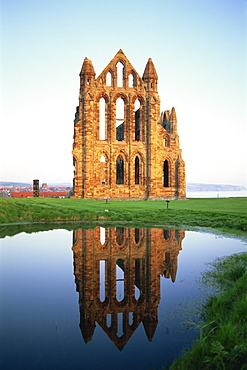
[(125, 161)]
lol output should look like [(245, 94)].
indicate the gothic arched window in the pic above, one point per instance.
[(137, 278), (137, 120), (120, 69), (119, 119), (120, 170), (108, 79), (131, 80), (137, 170), (102, 125), (166, 234), (166, 174), (137, 235), (102, 269), (120, 279)]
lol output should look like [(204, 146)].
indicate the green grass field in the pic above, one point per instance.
[(224, 214)]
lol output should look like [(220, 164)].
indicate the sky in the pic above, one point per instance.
[(198, 48)]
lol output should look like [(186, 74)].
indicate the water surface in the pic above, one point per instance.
[(102, 298)]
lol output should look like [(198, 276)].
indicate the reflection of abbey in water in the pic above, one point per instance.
[(117, 273)]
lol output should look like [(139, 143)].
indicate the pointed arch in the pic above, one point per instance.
[(131, 80), (137, 117), (102, 280), (166, 234), (120, 278), (108, 79), (102, 118), (137, 170), (120, 107), (137, 235), (120, 170), (120, 73), (137, 278), (166, 173), (137, 106)]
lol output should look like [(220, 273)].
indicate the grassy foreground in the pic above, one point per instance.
[(225, 214), (223, 337)]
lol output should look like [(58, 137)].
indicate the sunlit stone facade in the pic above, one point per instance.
[(124, 147)]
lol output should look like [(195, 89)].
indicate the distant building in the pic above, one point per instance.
[(44, 186), (124, 147)]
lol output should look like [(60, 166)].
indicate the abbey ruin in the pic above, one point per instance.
[(124, 147)]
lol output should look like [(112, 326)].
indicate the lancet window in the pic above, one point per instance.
[(120, 280), (131, 80), (137, 278), (108, 79), (120, 69), (137, 170), (120, 170), (137, 235), (166, 234), (166, 174), (119, 119), (102, 279), (102, 120), (137, 120), (120, 325)]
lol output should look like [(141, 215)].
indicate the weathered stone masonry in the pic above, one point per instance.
[(124, 148)]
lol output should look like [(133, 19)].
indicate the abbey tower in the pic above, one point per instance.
[(124, 147)]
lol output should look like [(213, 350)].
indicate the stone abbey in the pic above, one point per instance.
[(124, 147)]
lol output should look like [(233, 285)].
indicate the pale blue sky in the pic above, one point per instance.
[(199, 51)]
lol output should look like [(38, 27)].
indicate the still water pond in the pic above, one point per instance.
[(115, 298)]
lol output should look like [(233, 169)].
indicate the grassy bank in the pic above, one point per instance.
[(224, 214), (223, 336)]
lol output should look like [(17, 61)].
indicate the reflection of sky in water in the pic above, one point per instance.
[(40, 312)]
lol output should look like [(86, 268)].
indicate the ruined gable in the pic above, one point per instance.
[(123, 147)]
